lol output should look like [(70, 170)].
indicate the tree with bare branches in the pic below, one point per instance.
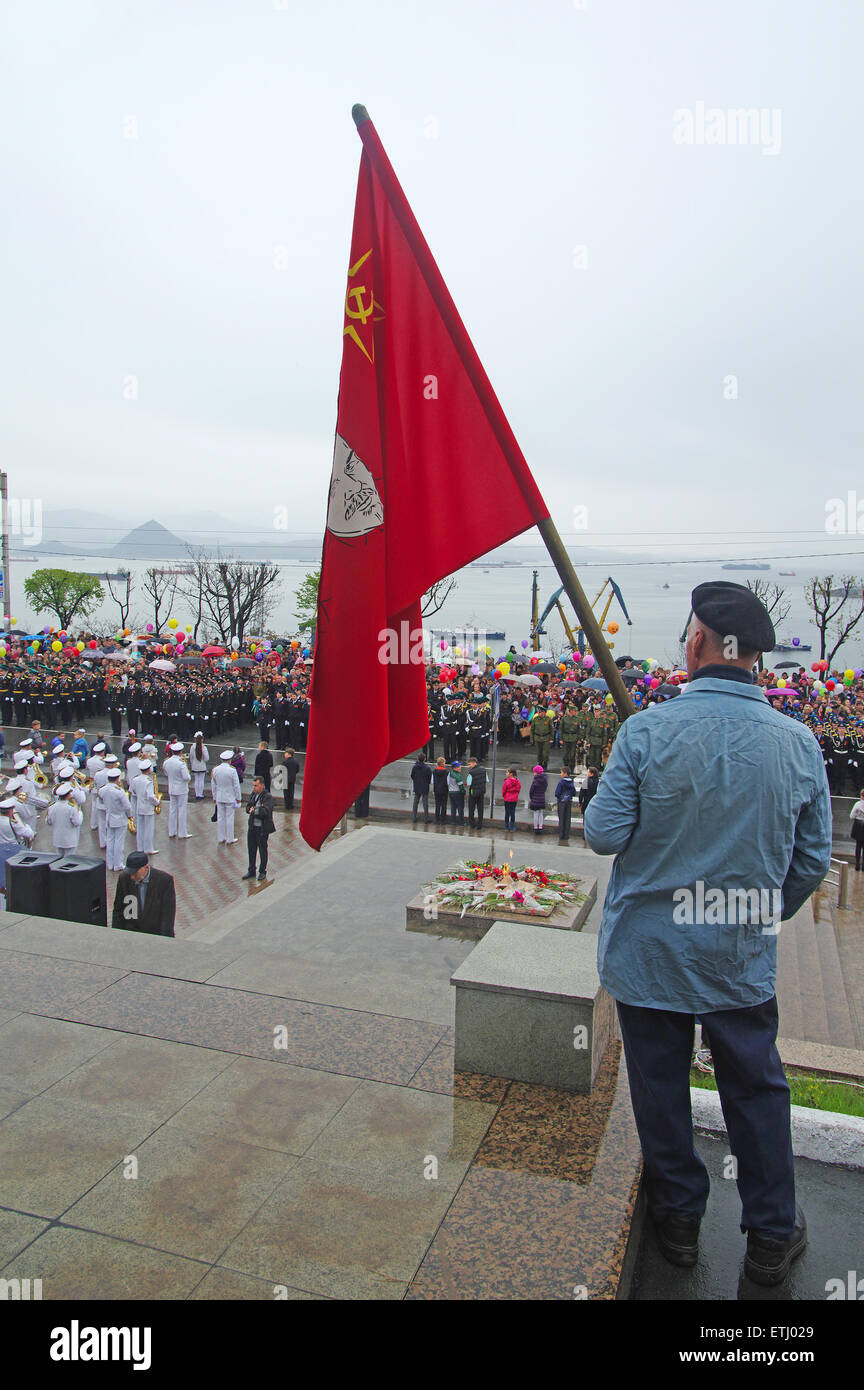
[(123, 598), (160, 586), (437, 596), (235, 591), (191, 585), (838, 607)]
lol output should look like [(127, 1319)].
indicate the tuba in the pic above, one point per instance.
[(40, 778)]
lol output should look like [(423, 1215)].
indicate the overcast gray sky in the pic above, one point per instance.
[(157, 154)]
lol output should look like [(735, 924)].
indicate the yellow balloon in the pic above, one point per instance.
[(781, 684), (504, 667), (850, 674), (608, 699), (188, 627), (80, 646), (172, 622), (56, 646)]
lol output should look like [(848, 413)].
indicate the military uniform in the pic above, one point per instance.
[(569, 730), (595, 738), (542, 729)]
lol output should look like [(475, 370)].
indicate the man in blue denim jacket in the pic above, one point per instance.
[(717, 809)]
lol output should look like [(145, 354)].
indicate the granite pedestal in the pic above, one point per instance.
[(530, 1007)]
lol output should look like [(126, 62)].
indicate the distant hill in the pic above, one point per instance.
[(152, 541)]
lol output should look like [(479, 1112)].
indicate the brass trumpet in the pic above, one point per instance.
[(157, 810)]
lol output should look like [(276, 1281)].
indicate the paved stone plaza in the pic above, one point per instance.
[(283, 1075)]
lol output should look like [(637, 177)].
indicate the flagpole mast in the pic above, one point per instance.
[(585, 613), (485, 394)]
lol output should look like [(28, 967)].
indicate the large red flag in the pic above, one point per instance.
[(427, 476)]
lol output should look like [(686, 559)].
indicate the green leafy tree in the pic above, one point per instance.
[(306, 596), (68, 593)]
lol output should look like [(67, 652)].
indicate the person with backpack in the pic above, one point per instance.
[(537, 797), (476, 783), (456, 789)]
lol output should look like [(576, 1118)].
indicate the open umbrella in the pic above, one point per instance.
[(243, 661), (524, 680), (160, 664), (787, 666), (667, 689), (595, 684), (213, 651), (190, 660), (630, 677), (548, 668)]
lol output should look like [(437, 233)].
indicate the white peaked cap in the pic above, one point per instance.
[(64, 790), (113, 772), (227, 754)]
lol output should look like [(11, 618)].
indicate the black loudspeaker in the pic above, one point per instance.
[(27, 882), (77, 889)]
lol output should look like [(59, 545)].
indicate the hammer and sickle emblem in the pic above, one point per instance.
[(356, 308), (363, 311)]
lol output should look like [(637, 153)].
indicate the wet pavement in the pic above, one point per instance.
[(832, 1200)]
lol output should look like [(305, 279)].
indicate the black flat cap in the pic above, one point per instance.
[(733, 610), (135, 861)]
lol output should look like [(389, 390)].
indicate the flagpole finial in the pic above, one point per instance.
[(360, 114)]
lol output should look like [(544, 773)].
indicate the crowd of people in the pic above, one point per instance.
[(218, 694), (121, 794)]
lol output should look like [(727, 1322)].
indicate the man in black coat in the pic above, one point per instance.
[(260, 813), (290, 769), (263, 763), (421, 776), (145, 899)]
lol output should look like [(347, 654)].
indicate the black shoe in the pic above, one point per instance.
[(678, 1238), (261, 878), (768, 1258), (250, 875)]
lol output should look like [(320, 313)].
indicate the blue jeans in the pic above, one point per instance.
[(457, 807), (754, 1095), (509, 815)]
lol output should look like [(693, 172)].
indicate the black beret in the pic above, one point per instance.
[(733, 610)]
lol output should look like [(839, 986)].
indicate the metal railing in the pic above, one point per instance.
[(838, 876)]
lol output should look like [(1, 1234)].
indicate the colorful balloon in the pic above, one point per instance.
[(56, 646), (588, 662), (172, 622), (613, 628)]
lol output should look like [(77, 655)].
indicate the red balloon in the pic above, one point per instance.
[(442, 676), (829, 685), (823, 665), (817, 666), (92, 645)]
